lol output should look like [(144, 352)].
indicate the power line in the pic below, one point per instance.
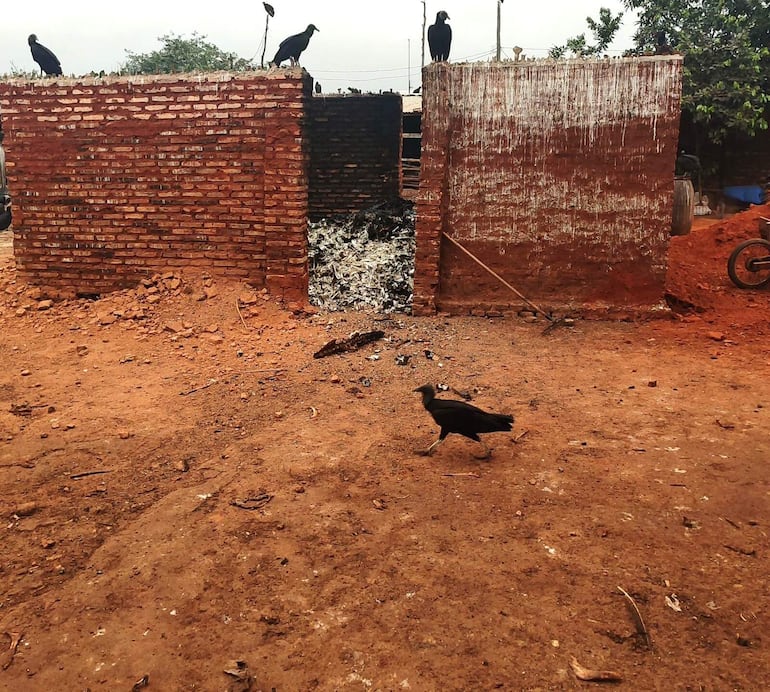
[(467, 58)]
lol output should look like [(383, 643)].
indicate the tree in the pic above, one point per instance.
[(726, 48), (180, 54), (603, 32)]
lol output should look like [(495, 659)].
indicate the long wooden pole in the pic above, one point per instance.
[(497, 276), (424, 22)]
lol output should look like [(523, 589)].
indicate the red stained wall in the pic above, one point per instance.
[(557, 175), (117, 178)]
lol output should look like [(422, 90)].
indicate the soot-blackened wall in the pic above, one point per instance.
[(557, 174), (355, 152), (120, 177)]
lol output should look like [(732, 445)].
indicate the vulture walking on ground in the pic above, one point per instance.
[(461, 418), (291, 48), (44, 57), (440, 38)]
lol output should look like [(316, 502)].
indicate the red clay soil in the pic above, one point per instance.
[(698, 273), (184, 487)]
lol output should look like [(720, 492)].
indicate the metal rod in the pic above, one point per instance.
[(499, 2), (497, 276), (264, 48), (424, 21)]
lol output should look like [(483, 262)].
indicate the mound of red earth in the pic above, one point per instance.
[(697, 284)]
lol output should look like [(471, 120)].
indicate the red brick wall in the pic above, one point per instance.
[(558, 175), (355, 152), (117, 178)]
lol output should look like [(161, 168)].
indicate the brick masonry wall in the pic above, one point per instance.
[(557, 175), (117, 178), (355, 152)]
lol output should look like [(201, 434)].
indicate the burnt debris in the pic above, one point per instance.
[(363, 260)]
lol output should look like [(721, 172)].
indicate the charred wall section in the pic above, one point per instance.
[(117, 178), (355, 152), (557, 174), (739, 160)]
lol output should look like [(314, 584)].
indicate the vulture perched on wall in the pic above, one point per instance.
[(440, 38), (662, 46), (292, 47), (44, 57)]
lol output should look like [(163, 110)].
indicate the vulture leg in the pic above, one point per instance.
[(429, 451), (487, 451)]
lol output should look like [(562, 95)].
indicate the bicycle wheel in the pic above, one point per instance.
[(749, 264)]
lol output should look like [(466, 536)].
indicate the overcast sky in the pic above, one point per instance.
[(363, 44)]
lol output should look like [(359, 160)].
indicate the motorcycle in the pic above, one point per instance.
[(749, 263)]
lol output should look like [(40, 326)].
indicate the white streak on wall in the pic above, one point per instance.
[(536, 139)]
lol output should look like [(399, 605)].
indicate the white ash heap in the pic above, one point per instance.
[(363, 260)]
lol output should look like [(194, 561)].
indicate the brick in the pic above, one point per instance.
[(102, 207)]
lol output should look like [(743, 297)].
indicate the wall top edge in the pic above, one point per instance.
[(508, 64), (386, 94), (280, 74)]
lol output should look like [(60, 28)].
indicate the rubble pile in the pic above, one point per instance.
[(363, 260), (133, 308)]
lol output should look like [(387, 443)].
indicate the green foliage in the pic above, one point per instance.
[(180, 54), (603, 32), (726, 48)]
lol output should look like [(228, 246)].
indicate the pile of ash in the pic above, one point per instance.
[(363, 260)]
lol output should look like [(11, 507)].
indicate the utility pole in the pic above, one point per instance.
[(424, 21), (499, 2)]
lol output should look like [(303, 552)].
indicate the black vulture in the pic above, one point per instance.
[(440, 38), (44, 57), (661, 45), (291, 48), (318, 87), (461, 418)]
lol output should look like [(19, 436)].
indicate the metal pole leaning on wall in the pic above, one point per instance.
[(497, 276), (499, 2)]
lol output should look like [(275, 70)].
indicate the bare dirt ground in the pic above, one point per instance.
[(351, 563)]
